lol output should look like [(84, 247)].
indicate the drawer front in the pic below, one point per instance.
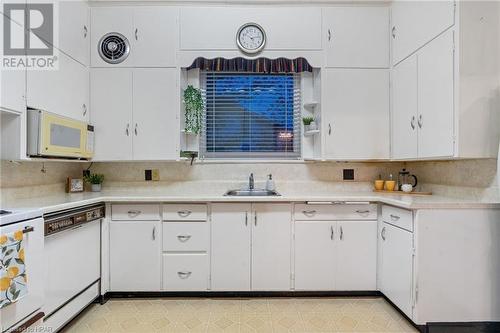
[(185, 236), (185, 272), (180, 212), (314, 212), (399, 217), (140, 212)]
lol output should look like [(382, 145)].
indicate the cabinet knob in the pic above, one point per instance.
[(341, 233), (135, 129), (412, 122), (127, 130), (329, 129), (393, 32), (329, 35), (394, 217), (382, 233), (136, 34), (184, 275), (134, 213), (420, 122), (309, 213), (85, 31), (184, 213), (183, 238), (84, 107), (331, 232)]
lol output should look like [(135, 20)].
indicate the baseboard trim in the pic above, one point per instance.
[(239, 294)]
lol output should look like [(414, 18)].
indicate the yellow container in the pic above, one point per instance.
[(390, 185), (379, 184)]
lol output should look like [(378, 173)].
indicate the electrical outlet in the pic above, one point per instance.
[(148, 175), (155, 174), (348, 174)]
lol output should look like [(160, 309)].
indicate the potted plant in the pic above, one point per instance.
[(193, 105), (309, 124), (95, 180)]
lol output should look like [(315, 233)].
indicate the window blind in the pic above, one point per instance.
[(251, 115)]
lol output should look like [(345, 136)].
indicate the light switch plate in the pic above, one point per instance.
[(155, 174)]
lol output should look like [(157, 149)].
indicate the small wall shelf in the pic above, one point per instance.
[(311, 105), (311, 133)]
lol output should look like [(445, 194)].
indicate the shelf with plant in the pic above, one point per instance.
[(310, 126)]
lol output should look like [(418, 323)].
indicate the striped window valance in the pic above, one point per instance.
[(259, 65)]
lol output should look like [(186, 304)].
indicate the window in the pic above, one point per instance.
[(251, 115)]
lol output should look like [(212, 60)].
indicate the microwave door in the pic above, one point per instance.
[(63, 137)]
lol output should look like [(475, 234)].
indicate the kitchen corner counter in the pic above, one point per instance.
[(207, 193)]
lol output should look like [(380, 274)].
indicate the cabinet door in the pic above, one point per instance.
[(397, 266), (155, 114), (356, 36), (111, 113), (271, 246), (74, 30), (64, 91), (315, 255), (111, 19), (135, 256), (404, 109), (415, 23), (356, 113), (155, 36), (231, 252), (13, 90), (356, 255), (436, 98)]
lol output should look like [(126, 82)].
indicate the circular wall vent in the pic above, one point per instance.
[(113, 48)]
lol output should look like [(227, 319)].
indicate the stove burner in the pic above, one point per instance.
[(4, 212)]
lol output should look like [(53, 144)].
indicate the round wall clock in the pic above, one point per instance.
[(251, 38)]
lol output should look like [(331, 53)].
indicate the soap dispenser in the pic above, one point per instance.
[(270, 183)]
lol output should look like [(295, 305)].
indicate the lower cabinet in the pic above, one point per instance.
[(185, 272), (251, 247), (335, 255), (135, 255), (396, 266)]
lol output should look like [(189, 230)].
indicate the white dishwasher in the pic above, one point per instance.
[(73, 261)]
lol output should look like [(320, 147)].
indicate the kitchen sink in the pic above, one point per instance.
[(251, 193)]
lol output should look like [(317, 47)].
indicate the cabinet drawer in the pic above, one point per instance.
[(145, 212), (180, 212), (399, 217), (185, 236), (304, 212), (185, 272)]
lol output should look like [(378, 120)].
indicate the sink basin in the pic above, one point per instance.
[(251, 193)]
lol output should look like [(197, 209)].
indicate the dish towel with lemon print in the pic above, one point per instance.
[(13, 280)]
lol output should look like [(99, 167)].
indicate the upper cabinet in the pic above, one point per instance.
[(355, 114), (445, 95), (356, 36), (74, 30), (215, 28), (150, 32), (415, 23)]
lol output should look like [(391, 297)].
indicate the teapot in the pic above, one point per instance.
[(404, 178)]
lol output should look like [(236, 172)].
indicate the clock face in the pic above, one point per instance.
[(251, 38)]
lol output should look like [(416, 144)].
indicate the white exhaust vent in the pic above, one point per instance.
[(113, 48)]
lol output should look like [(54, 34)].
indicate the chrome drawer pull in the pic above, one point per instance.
[(382, 233), (341, 233), (134, 213), (309, 213), (184, 275), (331, 233), (184, 213), (394, 217), (362, 211), (183, 238)]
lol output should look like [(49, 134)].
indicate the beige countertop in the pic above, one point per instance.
[(214, 193)]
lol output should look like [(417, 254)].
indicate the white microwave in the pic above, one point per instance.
[(51, 135)]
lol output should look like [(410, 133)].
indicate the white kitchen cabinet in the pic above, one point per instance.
[(405, 109), (423, 102), (271, 246), (111, 113), (356, 267), (64, 91), (13, 90), (396, 272), (74, 30), (355, 114), (315, 255), (135, 255), (185, 271), (436, 98), (135, 113), (251, 246), (231, 251), (222, 23), (155, 120), (415, 23), (151, 32), (356, 36)]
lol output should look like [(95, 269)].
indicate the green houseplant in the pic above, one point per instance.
[(193, 104), (309, 123), (95, 180)]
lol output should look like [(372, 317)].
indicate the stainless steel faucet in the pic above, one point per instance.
[(251, 184)]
